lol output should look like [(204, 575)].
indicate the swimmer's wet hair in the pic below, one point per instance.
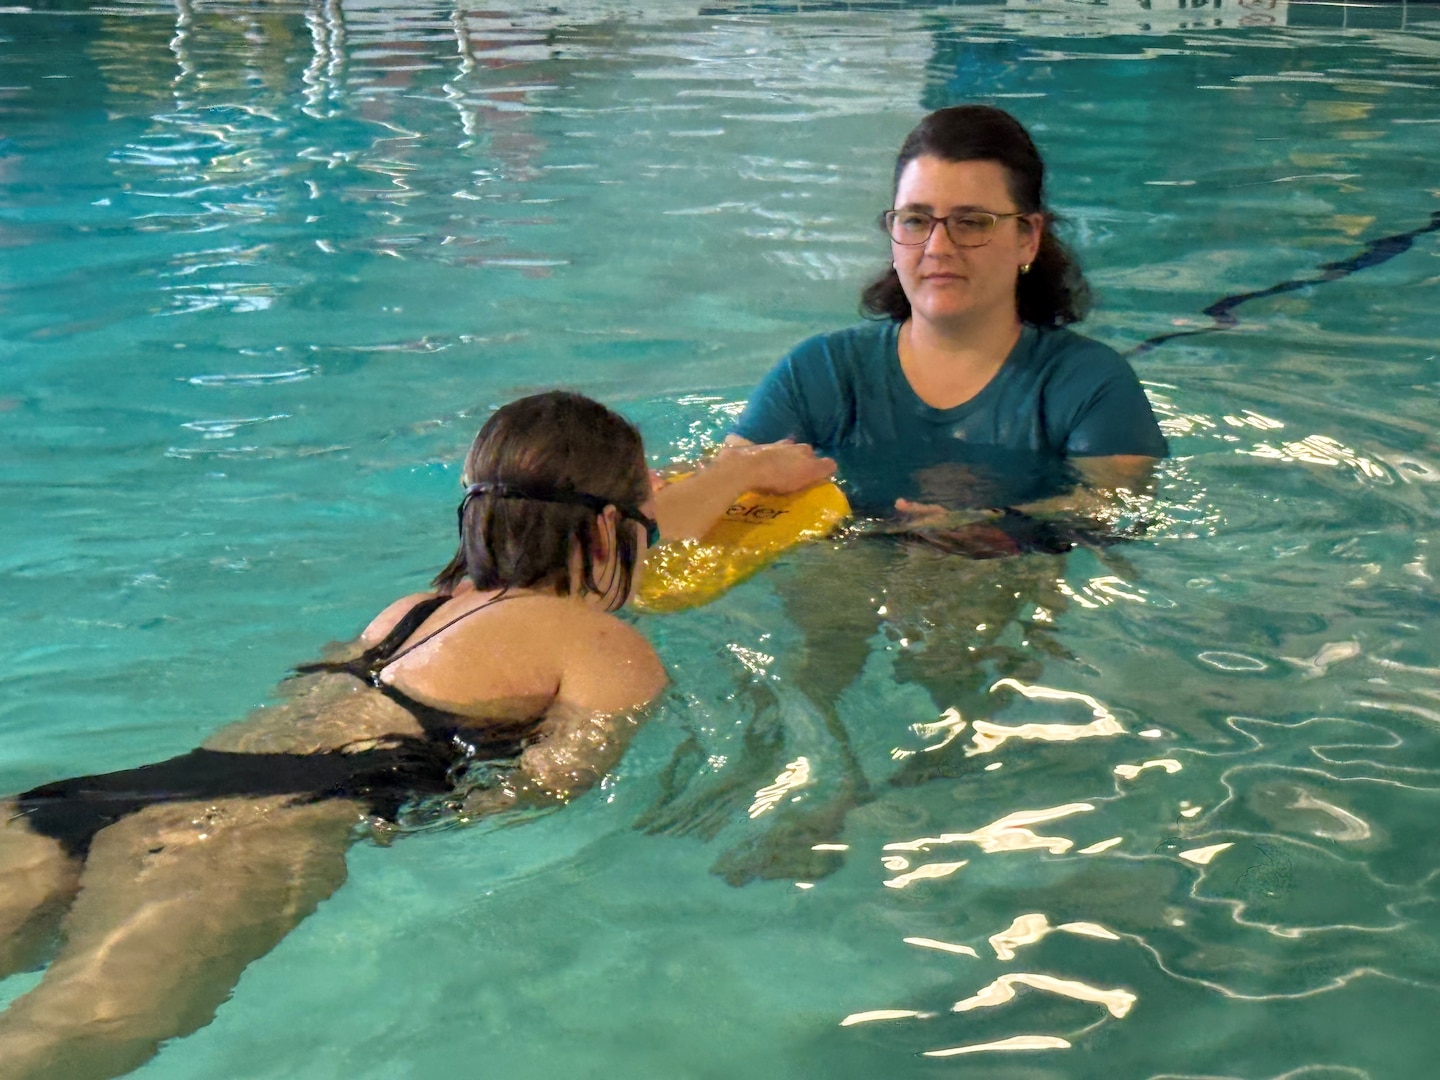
[(554, 440), (1054, 292)]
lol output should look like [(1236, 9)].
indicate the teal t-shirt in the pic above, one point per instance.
[(1058, 395)]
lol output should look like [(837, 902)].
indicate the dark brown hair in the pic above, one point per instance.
[(551, 441), (1054, 292)]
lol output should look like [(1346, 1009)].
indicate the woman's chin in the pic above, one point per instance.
[(945, 311), (960, 309)]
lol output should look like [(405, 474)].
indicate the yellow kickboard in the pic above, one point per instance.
[(754, 530)]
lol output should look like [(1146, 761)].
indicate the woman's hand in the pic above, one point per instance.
[(972, 533), (921, 517), (918, 515)]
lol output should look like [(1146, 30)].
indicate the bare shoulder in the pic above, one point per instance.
[(387, 620), (609, 666), (559, 649)]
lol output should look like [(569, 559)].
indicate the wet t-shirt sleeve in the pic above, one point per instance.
[(1094, 403), (777, 409), (805, 396)]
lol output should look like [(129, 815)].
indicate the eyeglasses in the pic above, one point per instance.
[(968, 228), (568, 496)]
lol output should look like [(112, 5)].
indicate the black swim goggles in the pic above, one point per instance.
[(569, 496)]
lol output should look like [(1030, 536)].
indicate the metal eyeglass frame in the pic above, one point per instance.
[(887, 222)]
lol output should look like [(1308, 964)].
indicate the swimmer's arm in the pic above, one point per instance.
[(1107, 485), (686, 510), (598, 707)]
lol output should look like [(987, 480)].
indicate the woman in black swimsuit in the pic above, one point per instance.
[(512, 682)]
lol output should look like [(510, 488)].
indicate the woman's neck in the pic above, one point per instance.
[(948, 365)]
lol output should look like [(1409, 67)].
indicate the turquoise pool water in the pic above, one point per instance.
[(264, 269)]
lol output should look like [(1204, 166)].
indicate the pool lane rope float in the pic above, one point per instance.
[(1372, 254), (754, 530)]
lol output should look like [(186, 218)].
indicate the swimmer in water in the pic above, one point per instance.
[(511, 683)]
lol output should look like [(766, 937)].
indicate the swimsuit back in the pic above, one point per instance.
[(437, 723), (384, 778)]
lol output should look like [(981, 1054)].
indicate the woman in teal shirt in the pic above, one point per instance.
[(968, 387), (965, 390)]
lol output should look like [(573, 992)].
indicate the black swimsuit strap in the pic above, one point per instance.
[(412, 621), (378, 657), (361, 666), (385, 661), (437, 723)]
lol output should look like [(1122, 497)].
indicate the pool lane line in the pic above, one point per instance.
[(1373, 254)]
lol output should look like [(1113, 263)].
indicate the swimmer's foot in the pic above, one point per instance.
[(684, 764), (787, 851), (719, 801), (705, 813), (932, 767)]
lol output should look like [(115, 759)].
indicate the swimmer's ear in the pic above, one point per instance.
[(606, 523)]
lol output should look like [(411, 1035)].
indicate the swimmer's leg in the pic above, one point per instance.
[(834, 606), (832, 597), (37, 882), (980, 622), (175, 901), (798, 845)]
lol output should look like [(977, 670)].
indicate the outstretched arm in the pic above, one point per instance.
[(1107, 484), (1108, 489), (687, 510)]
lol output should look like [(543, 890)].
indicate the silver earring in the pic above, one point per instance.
[(1024, 268)]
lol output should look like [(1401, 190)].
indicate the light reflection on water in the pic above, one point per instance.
[(264, 271)]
